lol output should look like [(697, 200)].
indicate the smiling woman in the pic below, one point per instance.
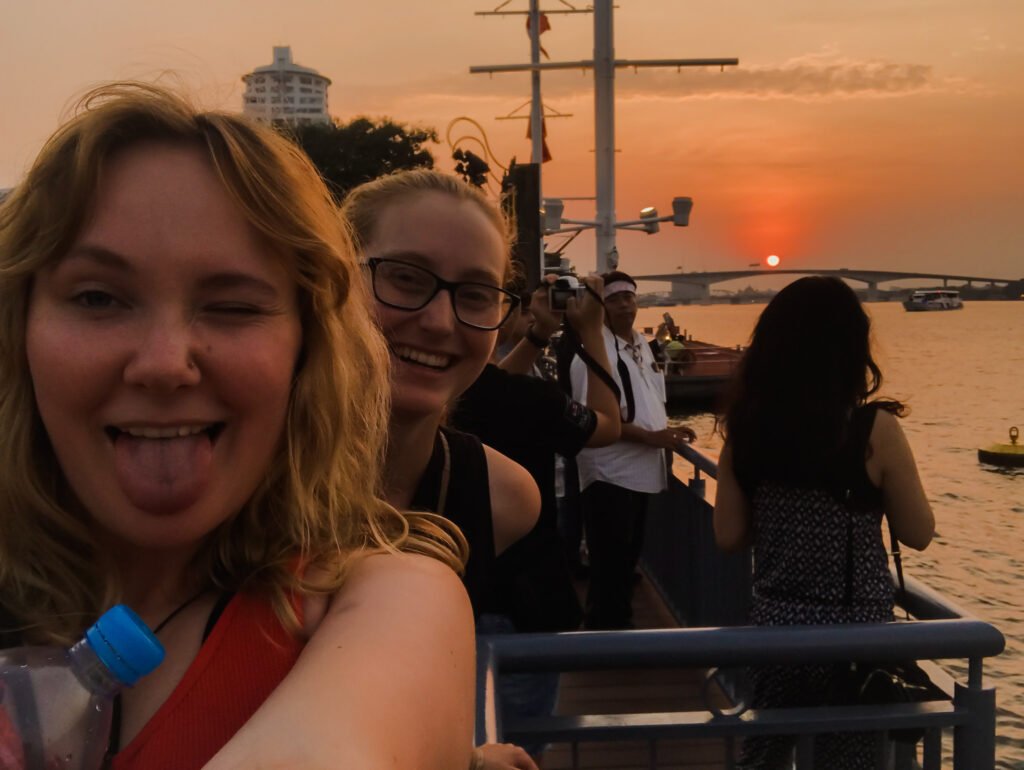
[(437, 258), (192, 400)]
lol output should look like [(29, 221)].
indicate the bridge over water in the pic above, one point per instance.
[(697, 285)]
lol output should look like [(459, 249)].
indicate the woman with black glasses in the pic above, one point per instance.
[(437, 258)]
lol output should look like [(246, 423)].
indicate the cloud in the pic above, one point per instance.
[(816, 76), (808, 77)]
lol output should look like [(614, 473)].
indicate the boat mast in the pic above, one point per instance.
[(536, 105), (604, 65), (604, 134)]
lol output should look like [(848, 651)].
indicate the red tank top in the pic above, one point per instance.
[(241, 662)]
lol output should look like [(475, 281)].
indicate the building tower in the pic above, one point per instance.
[(284, 92)]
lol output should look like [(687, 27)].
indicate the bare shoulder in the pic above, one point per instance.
[(406, 576), (380, 576), (888, 445), (515, 499), (886, 426)]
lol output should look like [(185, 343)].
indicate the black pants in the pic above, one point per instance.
[(613, 519)]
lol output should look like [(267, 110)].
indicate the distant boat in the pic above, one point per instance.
[(695, 371), (699, 372), (934, 299)]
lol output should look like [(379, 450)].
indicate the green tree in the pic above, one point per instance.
[(346, 155), (471, 167)]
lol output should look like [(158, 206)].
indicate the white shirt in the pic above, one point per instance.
[(627, 464)]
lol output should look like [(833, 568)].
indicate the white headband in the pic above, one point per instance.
[(616, 286)]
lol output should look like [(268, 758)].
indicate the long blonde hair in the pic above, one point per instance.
[(363, 205), (320, 498)]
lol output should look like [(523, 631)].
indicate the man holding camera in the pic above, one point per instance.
[(617, 481)]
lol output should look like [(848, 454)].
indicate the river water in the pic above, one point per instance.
[(962, 375)]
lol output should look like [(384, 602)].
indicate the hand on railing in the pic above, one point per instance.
[(669, 438)]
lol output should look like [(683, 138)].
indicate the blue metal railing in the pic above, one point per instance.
[(705, 587), (701, 584)]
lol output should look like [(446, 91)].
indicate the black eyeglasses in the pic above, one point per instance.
[(406, 286)]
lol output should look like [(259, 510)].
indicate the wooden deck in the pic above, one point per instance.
[(611, 692)]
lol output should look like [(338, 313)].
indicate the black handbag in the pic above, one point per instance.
[(878, 684), (874, 683)]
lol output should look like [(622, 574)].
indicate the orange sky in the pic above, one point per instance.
[(867, 133)]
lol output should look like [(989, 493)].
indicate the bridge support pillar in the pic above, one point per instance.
[(872, 291), (684, 293)]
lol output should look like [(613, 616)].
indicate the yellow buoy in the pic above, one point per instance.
[(1011, 454)]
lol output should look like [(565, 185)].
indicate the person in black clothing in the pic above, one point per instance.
[(530, 419)]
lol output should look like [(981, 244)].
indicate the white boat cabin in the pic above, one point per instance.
[(934, 299)]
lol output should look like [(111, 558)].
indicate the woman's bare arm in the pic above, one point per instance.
[(733, 529), (515, 499), (891, 464), (386, 681)]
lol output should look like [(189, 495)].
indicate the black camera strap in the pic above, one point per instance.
[(603, 375)]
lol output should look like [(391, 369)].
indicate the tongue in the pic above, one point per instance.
[(163, 475)]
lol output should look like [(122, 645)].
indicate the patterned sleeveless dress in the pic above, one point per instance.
[(819, 558)]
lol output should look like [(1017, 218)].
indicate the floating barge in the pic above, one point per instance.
[(700, 372)]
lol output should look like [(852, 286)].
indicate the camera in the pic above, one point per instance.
[(564, 287)]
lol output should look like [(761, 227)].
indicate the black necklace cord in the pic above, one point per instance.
[(176, 610)]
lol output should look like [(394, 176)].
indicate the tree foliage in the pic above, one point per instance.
[(346, 155), (471, 167)]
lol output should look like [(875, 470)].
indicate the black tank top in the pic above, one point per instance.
[(467, 504)]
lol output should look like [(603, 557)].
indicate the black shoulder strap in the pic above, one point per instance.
[(848, 592), (897, 560), (603, 375)]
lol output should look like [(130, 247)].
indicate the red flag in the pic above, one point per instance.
[(545, 25), (545, 153)]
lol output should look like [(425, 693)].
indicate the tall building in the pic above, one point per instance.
[(284, 92)]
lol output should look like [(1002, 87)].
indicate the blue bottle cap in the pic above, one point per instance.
[(125, 644)]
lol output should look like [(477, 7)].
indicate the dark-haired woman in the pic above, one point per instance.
[(809, 468)]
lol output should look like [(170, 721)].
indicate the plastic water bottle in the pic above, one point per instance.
[(56, 704)]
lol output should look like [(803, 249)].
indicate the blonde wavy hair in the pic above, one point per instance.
[(319, 504), (363, 205)]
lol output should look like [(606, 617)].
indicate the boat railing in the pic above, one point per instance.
[(708, 592)]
